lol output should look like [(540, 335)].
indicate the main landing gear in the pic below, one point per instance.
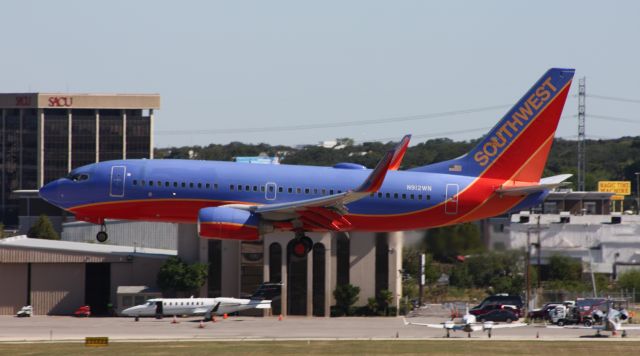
[(102, 235), (302, 244)]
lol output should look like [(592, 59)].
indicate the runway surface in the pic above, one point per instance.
[(63, 328)]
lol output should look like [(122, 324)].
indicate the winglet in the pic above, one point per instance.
[(399, 155), (375, 179)]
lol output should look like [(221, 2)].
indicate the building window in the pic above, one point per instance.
[(318, 279), (382, 263), (343, 256), (275, 272)]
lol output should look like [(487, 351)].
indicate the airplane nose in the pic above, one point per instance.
[(51, 192)]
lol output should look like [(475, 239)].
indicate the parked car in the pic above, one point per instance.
[(83, 311), (499, 299), (498, 315), (543, 312), (491, 307)]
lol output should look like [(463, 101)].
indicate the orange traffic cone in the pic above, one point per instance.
[(174, 321), (201, 326), (280, 317), (225, 316)]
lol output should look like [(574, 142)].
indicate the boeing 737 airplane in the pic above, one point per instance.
[(245, 201)]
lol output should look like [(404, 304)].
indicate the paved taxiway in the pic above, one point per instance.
[(58, 328)]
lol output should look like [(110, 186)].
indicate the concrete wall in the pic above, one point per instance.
[(140, 271)]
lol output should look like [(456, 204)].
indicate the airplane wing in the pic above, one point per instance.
[(545, 184), (326, 212), (447, 325), (504, 326)]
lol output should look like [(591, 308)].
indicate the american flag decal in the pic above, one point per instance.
[(455, 168)]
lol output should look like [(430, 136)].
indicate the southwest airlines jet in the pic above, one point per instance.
[(245, 201)]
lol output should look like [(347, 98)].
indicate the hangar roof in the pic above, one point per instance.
[(20, 249)]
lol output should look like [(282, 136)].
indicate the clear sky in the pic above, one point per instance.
[(255, 64)]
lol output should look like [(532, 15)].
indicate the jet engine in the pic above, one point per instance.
[(229, 223)]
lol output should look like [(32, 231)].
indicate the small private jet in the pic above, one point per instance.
[(468, 325), (207, 307)]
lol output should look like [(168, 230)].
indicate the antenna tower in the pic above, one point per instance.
[(581, 136)]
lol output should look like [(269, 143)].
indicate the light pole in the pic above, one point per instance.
[(637, 192)]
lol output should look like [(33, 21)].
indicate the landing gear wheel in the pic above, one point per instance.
[(102, 235), (302, 246)]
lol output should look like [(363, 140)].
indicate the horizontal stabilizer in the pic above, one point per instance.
[(545, 184)]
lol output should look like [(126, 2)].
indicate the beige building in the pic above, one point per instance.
[(57, 277), (371, 261)]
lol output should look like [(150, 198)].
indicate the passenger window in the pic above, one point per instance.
[(231, 187), (247, 188), (419, 196), (262, 188), (290, 190), (142, 182), (199, 185), (339, 191), (299, 190), (191, 185), (183, 184), (271, 189), (388, 195), (315, 190), (371, 194), (395, 195), (151, 183), (412, 196), (330, 191), (280, 189), (159, 184), (135, 182), (324, 191), (239, 187), (306, 190), (428, 197), (215, 185), (166, 184), (379, 195), (404, 196), (208, 185), (255, 188)]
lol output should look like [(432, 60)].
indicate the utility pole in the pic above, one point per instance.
[(527, 270), (423, 262), (581, 133), (539, 247)]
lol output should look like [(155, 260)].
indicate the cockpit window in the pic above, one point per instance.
[(78, 177)]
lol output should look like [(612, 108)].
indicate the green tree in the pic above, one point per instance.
[(564, 268), (372, 305), (346, 296), (446, 243), (175, 276), (43, 229), (630, 280), (386, 298)]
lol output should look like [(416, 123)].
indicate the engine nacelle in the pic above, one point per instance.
[(228, 223)]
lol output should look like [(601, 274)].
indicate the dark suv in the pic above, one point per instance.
[(499, 301)]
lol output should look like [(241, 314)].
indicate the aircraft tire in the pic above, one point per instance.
[(302, 246), (102, 236)]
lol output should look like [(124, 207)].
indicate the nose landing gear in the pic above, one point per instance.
[(102, 235)]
